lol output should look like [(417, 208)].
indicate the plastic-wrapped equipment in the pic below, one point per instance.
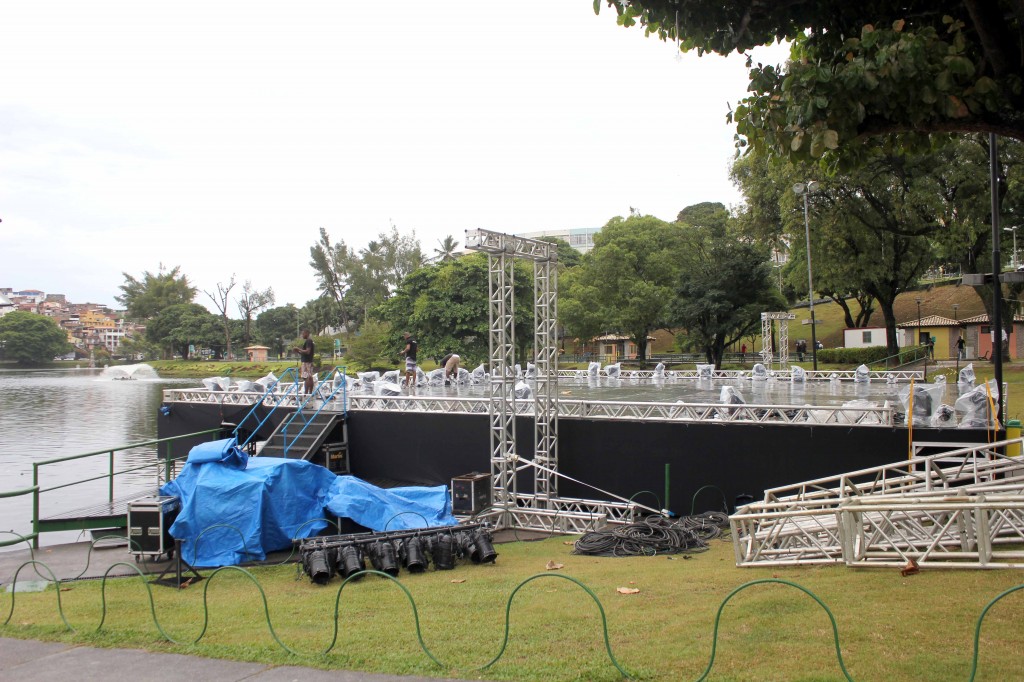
[(927, 398), (976, 407), (612, 371), (217, 383), (799, 375), (386, 388), (523, 391), (435, 377), (244, 385), (463, 376), (659, 370), (966, 375), (593, 369), (393, 376), (705, 371), (759, 372), (944, 417), (478, 375), (531, 370), (862, 374), (266, 383), (368, 377)]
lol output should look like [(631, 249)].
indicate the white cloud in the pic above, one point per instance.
[(221, 136)]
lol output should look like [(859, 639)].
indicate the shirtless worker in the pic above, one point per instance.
[(410, 359)]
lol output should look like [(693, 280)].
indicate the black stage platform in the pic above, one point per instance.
[(622, 457)]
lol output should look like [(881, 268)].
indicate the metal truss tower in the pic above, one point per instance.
[(766, 338), (502, 250)]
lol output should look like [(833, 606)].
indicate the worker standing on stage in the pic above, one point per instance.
[(410, 359), (306, 360)]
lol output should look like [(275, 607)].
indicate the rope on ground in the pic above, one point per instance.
[(655, 535)]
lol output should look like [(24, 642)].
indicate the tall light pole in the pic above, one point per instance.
[(1014, 260), (803, 189), (956, 319), (918, 302)]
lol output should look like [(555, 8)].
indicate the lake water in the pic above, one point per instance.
[(58, 412)]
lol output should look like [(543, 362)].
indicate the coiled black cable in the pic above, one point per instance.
[(655, 535)]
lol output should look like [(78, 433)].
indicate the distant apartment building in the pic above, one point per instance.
[(6, 305), (579, 238)]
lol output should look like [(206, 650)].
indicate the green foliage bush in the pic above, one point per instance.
[(868, 356)]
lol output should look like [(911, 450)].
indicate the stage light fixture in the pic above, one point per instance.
[(485, 549), (444, 559), (382, 556), (414, 557), (350, 561), (318, 567)]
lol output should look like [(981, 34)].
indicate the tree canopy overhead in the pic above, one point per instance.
[(858, 69)]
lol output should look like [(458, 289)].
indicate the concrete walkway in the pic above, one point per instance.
[(26, 660)]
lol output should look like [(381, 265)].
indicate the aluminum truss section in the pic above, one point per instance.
[(766, 337), (502, 250), (545, 343), (954, 508)]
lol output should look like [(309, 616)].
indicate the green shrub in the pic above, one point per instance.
[(868, 356)]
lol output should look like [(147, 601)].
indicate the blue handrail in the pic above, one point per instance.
[(270, 390), (300, 411)]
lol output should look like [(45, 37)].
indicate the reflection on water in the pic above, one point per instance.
[(59, 412)]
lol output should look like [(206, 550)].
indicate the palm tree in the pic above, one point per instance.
[(447, 248)]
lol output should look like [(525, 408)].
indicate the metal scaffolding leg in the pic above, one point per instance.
[(501, 313), (545, 342)]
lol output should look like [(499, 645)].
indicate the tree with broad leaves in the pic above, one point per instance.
[(277, 325), (626, 283), (445, 306), (724, 283), (144, 298), (31, 339), (902, 71), (177, 327)]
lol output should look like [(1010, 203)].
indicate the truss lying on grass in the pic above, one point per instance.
[(957, 509)]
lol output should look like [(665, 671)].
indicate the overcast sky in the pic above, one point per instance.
[(220, 136)]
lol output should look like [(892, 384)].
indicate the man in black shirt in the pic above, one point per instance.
[(306, 361)]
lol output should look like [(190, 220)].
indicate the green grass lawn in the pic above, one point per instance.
[(891, 627)]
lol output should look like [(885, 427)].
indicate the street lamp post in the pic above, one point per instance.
[(1014, 260), (803, 189), (956, 319)]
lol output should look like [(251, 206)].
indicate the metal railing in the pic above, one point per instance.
[(317, 394), (36, 491), (275, 398)]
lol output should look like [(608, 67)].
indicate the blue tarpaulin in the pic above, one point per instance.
[(225, 451), (246, 513), (382, 509)]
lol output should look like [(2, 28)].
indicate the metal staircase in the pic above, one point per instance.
[(321, 437)]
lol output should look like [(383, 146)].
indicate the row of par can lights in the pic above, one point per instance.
[(347, 555)]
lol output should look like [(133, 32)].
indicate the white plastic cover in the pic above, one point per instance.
[(659, 370), (593, 369), (392, 376), (862, 374), (368, 377), (265, 383), (217, 383), (759, 372), (944, 417), (531, 370), (463, 376), (975, 408), (522, 390), (940, 379), (854, 413), (435, 377), (386, 388), (244, 385), (799, 374), (705, 371), (478, 375), (927, 398), (966, 375), (731, 396), (612, 371)]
